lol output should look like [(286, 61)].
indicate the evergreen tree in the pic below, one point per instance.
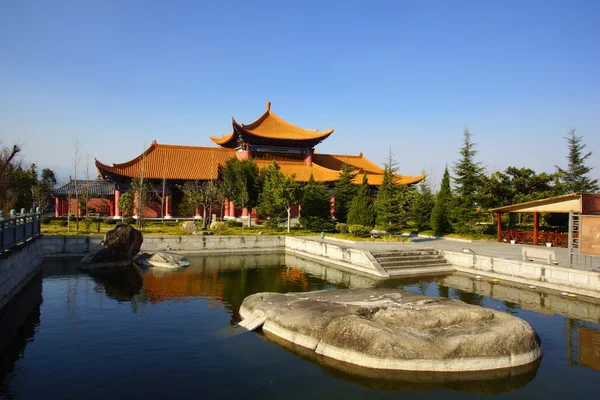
[(241, 183), (126, 204), (387, 204), (423, 206), (279, 194), (574, 178), (468, 181), (316, 206), (440, 215), (344, 192), (362, 211)]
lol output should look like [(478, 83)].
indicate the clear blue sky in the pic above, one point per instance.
[(405, 74)]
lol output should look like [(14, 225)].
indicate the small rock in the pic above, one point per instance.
[(162, 260), (189, 227)]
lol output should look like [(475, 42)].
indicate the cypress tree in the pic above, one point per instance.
[(440, 215), (387, 204), (423, 206), (344, 192), (362, 211), (316, 205), (574, 178), (468, 180)]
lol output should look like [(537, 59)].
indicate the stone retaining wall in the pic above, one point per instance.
[(18, 268), (548, 276)]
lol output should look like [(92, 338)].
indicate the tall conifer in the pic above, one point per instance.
[(362, 211), (574, 178), (440, 215), (387, 203), (344, 192), (468, 181)]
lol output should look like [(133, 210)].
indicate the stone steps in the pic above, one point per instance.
[(412, 262)]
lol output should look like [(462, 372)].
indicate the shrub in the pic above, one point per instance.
[(45, 220), (341, 227), (218, 227), (129, 220), (359, 230), (233, 223), (87, 222), (273, 224), (63, 222), (110, 221), (317, 224)]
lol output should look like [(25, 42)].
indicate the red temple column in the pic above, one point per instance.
[(244, 212), (231, 209), (499, 225), (168, 206), (117, 210), (197, 213), (332, 205), (226, 208), (536, 226), (308, 159), (57, 207)]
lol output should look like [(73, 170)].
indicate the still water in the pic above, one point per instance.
[(157, 334)]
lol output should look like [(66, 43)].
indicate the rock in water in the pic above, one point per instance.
[(397, 330), (118, 248), (162, 260)]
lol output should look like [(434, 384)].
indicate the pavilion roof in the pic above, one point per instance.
[(96, 187), (271, 126), (577, 202), (202, 163)]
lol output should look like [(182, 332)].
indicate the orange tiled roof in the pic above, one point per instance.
[(202, 163), (271, 126), (172, 162)]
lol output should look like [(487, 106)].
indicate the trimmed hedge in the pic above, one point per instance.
[(359, 230)]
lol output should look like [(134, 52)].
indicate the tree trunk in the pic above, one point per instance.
[(289, 212), (204, 217)]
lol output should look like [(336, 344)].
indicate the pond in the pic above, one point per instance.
[(160, 333)]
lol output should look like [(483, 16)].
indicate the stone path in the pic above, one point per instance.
[(486, 248)]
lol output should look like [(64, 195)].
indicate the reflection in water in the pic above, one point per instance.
[(156, 331), (482, 382), (18, 324)]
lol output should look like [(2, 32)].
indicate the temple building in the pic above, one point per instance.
[(269, 138)]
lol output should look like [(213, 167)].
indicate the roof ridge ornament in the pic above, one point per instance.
[(268, 106)]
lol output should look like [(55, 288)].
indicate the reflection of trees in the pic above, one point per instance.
[(511, 308), (443, 291), (469, 298)]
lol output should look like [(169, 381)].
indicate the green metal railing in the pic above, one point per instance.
[(18, 228)]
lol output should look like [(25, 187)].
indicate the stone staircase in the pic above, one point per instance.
[(412, 262)]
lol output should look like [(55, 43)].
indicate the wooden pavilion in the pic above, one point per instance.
[(269, 138), (579, 203)]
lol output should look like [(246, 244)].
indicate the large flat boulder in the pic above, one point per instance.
[(397, 330), (162, 259), (117, 250)]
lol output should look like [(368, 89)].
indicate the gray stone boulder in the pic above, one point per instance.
[(189, 227), (117, 250), (162, 260), (396, 330)]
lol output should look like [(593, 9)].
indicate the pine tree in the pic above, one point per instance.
[(440, 215), (240, 182), (362, 211), (279, 193), (344, 192), (423, 206), (574, 178), (468, 182), (316, 205), (387, 204)]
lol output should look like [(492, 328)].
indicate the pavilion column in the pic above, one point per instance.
[(57, 207), (168, 206), (308, 158), (536, 226), (231, 209), (117, 197), (244, 212), (135, 203), (197, 214), (499, 224), (332, 205)]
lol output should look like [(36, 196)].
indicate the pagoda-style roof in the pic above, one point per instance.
[(171, 162), (96, 187), (272, 127), (182, 163)]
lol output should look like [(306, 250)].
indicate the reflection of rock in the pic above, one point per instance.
[(480, 382), (120, 284), (118, 248), (162, 260), (397, 330)]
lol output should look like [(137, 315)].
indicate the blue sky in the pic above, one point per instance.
[(405, 74)]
